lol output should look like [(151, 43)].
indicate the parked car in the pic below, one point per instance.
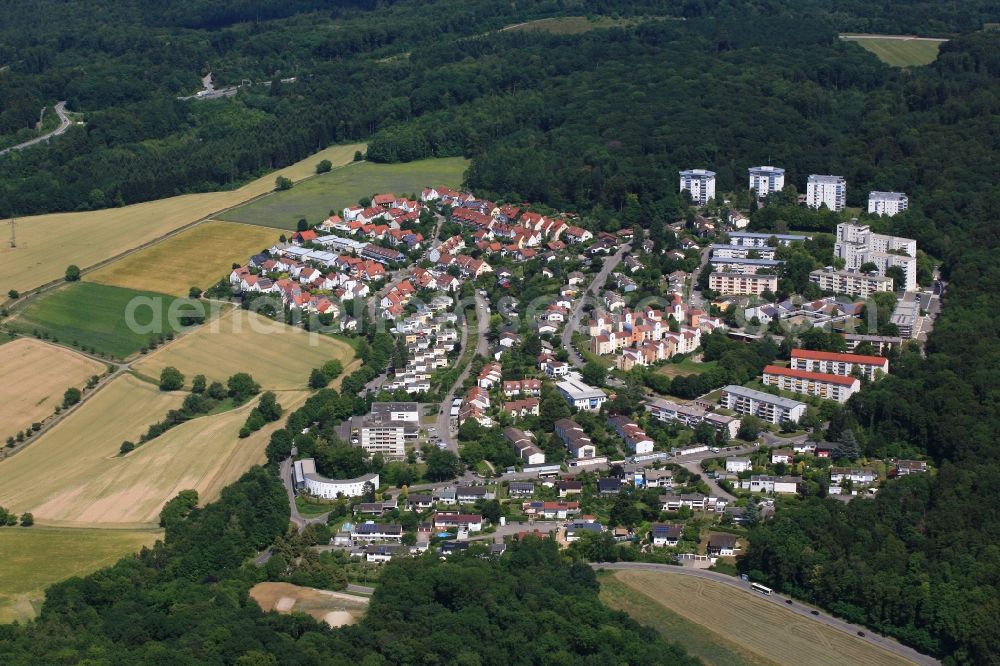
[(815, 612)]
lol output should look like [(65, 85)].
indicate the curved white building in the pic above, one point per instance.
[(305, 478)]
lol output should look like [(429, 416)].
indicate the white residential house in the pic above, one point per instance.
[(737, 465)]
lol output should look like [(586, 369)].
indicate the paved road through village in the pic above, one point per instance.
[(591, 293)]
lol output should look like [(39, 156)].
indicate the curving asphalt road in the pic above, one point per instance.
[(443, 424), (595, 286), (64, 123), (796, 607)]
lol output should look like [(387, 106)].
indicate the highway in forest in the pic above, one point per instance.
[(64, 123)]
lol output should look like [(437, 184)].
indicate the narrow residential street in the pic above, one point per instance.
[(443, 422), (592, 291)]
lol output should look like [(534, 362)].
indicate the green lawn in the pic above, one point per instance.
[(310, 510), (696, 639), (315, 198), (575, 25), (685, 367), (94, 316), (36, 557), (899, 52)]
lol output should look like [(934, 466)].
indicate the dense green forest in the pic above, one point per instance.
[(185, 601), (597, 122), (364, 67)]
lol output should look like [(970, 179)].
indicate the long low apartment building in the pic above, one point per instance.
[(763, 239), (692, 415), (880, 343), (821, 384), (746, 266), (524, 446), (742, 284), (844, 365), (852, 283), (771, 408), (728, 250), (305, 477), (575, 439)]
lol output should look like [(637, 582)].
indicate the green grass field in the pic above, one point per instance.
[(696, 639), (315, 198), (36, 557), (94, 316), (574, 25), (685, 367), (899, 52), (726, 626)]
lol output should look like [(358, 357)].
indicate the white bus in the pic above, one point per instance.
[(757, 587)]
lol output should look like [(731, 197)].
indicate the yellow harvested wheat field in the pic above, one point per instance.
[(59, 475), (767, 630), (35, 558), (73, 477), (46, 244), (196, 257), (35, 375), (279, 357)]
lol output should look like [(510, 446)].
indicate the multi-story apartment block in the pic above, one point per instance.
[(765, 180), (830, 387), (887, 203), (736, 284), (388, 427), (857, 246), (829, 190), (771, 408), (844, 365), (700, 183), (850, 282)]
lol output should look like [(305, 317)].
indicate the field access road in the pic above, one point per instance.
[(443, 423), (64, 123), (595, 286), (796, 607)]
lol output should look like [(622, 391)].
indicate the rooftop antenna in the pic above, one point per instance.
[(13, 232)]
